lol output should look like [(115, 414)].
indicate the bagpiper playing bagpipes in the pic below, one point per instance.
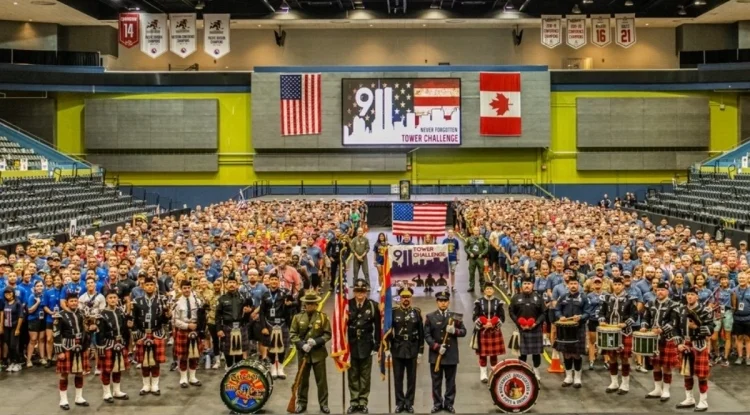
[(151, 314), (72, 337), (696, 325), (112, 337)]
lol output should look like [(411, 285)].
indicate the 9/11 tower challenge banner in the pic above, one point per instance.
[(425, 268), (401, 111)]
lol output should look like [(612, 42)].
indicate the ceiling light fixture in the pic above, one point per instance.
[(700, 2), (681, 11), (629, 3), (576, 9), (284, 8), (588, 1), (15, 3), (509, 7), (200, 5)]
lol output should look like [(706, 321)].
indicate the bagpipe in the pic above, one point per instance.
[(688, 358)]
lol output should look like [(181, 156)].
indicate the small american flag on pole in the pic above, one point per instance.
[(300, 104), (419, 219)]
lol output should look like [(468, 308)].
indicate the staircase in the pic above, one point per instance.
[(17, 144)]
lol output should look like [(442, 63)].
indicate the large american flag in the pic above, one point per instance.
[(419, 219), (300, 104), (340, 351)]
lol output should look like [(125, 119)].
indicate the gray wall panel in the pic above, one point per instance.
[(266, 128), (151, 124), (328, 162), (37, 116), (744, 113), (643, 122), (177, 163), (654, 160)]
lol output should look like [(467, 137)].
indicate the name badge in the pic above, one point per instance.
[(272, 312), (235, 325), (148, 317), (741, 306)]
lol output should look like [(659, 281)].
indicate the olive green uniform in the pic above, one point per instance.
[(360, 246), (477, 246), (314, 326)]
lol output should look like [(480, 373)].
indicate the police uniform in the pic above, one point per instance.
[(406, 343), (336, 251), (364, 334), (478, 247), (360, 246), (441, 333), (615, 310), (310, 332), (112, 342)]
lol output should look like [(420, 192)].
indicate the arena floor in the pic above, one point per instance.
[(34, 391)]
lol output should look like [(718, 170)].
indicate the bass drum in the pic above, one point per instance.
[(513, 386), (246, 387)]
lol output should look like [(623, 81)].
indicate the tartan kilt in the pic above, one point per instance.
[(625, 353), (577, 348), (266, 339), (107, 359), (182, 342), (225, 343), (700, 361), (160, 349), (667, 357), (491, 343), (531, 341), (66, 365)]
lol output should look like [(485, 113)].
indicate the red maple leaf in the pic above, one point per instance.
[(501, 104)]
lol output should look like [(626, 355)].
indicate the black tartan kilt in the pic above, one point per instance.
[(532, 341), (578, 347), (225, 342)]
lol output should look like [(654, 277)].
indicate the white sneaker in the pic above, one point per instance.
[(624, 385), (216, 364), (689, 401), (613, 385), (170, 341), (703, 403), (97, 372), (656, 393), (29, 364), (280, 372), (665, 392), (483, 374), (576, 379), (274, 372)]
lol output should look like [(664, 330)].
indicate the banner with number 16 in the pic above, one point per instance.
[(601, 31)]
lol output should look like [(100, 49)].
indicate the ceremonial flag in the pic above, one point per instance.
[(500, 103), (300, 104), (340, 348), (419, 219), (386, 315)]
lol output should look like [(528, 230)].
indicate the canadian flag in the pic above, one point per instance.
[(500, 103)]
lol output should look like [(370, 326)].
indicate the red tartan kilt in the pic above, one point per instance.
[(491, 343), (668, 357), (626, 352), (181, 343), (107, 360), (66, 365), (160, 350), (700, 364)]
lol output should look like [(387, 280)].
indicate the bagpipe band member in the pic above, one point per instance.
[(232, 318), (71, 342), (487, 338), (528, 312), (621, 310), (696, 324), (573, 306), (112, 347), (276, 305), (151, 315), (661, 316), (187, 344)]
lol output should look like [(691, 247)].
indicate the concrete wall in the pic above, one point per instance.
[(655, 50), (27, 35), (35, 115), (102, 39), (695, 37)]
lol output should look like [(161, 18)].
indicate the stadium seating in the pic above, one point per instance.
[(14, 155), (46, 206), (713, 198)]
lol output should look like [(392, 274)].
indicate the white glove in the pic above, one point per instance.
[(451, 329), (419, 358), (311, 342), (442, 350), (306, 347)]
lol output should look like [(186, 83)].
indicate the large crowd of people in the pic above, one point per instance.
[(227, 281)]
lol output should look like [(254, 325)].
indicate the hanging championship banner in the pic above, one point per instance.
[(154, 34), (182, 34), (130, 34), (601, 30), (216, 34), (625, 30), (551, 31), (576, 33), (423, 268)]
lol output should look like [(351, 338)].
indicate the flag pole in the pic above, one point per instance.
[(342, 267)]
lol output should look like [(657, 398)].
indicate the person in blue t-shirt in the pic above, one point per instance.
[(311, 258), (52, 306), (20, 293), (35, 318), (453, 246), (76, 286), (723, 301), (12, 320)]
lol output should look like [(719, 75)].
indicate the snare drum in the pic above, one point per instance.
[(513, 386), (608, 337), (645, 343), (246, 387), (567, 331)]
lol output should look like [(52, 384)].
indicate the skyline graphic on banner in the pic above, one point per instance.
[(401, 111)]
